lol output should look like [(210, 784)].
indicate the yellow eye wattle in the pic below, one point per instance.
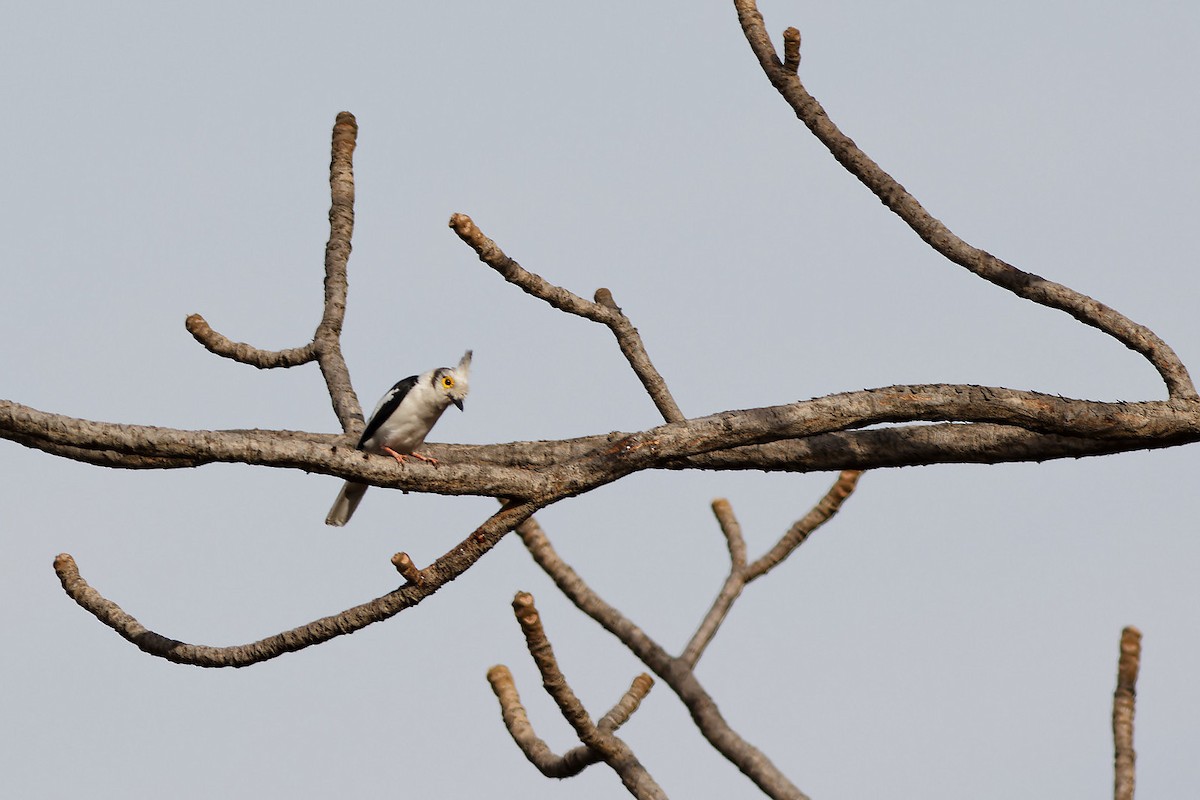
[(448, 382)]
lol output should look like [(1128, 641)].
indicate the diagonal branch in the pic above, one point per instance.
[(987, 266), (741, 573), (445, 569), (604, 310), (1125, 759)]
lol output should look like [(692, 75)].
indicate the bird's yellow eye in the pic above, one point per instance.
[(448, 382)]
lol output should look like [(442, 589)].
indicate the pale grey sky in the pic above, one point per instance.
[(952, 634)]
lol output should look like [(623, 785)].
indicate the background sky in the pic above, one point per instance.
[(952, 633)]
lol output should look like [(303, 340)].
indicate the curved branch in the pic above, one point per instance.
[(220, 345), (325, 346), (534, 748), (575, 760), (445, 569), (987, 266), (604, 310), (603, 743)]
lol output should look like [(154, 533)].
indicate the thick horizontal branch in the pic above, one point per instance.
[(445, 569), (546, 471)]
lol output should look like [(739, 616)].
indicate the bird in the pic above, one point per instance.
[(401, 421)]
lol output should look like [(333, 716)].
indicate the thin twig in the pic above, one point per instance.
[(619, 714), (445, 569), (1023, 284), (1125, 759), (741, 573), (604, 310), (220, 345), (821, 513)]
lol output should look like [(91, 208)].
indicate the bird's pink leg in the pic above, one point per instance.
[(401, 456)]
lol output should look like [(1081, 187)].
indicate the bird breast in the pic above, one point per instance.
[(405, 430)]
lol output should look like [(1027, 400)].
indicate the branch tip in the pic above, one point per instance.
[(1124, 699), (405, 566), (527, 614), (604, 297), (791, 50)]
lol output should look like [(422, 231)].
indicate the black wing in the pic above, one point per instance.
[(387, 406)]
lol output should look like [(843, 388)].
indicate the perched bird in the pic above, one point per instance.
[(401, 422)]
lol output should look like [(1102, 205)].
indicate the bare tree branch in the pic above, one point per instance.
[(821, 513), (535, 749), (599, 741), (791, 50), (407, 569), (619, 714), (741, 573), (328, 338), (567, 472), (575, 760), (1125, 759), (987, 266), (445, 569), (220, 345), (673, 671), (325, 347), (604, 310)]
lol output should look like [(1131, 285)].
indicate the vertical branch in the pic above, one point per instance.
[(337, 256), (1124, 758)]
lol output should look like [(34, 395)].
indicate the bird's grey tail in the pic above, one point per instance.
[(347, 500)]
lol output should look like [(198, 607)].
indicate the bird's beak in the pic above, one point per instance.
[(458, 403)]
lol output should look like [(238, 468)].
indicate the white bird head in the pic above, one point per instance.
[(453, 383)]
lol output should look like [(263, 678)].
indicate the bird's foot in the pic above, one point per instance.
[(401, 456)]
